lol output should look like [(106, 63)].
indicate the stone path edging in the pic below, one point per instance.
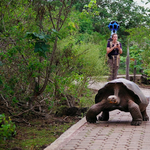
[(66, 135)]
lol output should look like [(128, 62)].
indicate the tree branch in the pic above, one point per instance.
[(50, 14)]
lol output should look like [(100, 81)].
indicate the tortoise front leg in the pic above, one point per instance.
[(135, 113), (92, 113), (104, 116), (145, 116)]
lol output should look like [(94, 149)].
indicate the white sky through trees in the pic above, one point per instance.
[(142, 3)]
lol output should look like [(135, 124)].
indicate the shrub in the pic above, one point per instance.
[(7, 127)]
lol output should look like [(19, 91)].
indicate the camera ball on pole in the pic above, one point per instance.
[(113, 27)]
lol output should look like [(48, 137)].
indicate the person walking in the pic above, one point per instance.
[(114, 49)]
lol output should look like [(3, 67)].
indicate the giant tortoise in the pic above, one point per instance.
[(119, 94)]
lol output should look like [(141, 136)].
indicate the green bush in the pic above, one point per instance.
[(7, 128)]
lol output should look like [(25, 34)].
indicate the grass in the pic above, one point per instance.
[(122, 71), (36, 137), (87, 103)]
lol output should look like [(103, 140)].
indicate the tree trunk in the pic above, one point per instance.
[(134, 72), (127, 63)]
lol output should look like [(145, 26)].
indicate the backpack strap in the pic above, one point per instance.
[(112, 43)]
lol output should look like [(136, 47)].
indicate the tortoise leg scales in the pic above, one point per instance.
[(91, 115), (145, 116), (104, 116), (135, 113)]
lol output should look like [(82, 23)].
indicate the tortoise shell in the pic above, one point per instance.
[(125, 87)]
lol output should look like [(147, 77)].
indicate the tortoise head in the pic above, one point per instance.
[(113, 99)]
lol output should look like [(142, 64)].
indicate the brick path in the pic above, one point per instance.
[(115, 134)]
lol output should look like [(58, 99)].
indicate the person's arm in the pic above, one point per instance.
[(110, 49), (119, 48)]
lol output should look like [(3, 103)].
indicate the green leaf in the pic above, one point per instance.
[(1, 64), (41, 37)]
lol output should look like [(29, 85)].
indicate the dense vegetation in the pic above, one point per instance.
[(49, 49)]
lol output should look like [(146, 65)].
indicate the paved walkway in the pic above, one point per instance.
[(115, 134)]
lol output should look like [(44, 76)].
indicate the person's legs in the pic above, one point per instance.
[(110, 64), (116, 67)]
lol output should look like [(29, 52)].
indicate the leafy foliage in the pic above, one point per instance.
[(40, 45), (139, 38), (135, 54), (7, 128)]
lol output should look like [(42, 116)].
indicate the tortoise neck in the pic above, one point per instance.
[(116, 92)]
